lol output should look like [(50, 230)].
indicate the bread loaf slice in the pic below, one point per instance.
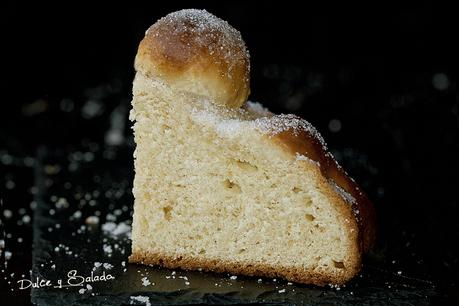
[(224, 185)]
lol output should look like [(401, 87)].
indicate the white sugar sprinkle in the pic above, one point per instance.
[(108, 227), (107, 249), (284, 122), (92, 220), (62, 203), (343, 193), (114, 229), (145, 281), (233, 123), (305, 158), (7, 213), (77, 214), (257, 108), (207, 30), (26, 219), (110, 217)]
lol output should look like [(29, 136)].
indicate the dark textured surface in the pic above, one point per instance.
[(109, 173)]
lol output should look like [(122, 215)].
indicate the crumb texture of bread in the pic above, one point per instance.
[(234, 189)]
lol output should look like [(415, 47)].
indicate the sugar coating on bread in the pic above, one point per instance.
[(194, 51), (224, 185)]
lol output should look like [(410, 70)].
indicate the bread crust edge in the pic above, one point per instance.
[(185, 262)]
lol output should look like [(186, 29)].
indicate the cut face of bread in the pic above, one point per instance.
[(239, 190)]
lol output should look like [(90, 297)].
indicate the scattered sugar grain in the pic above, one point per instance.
[(7, 213), (26, 219), (92, 220), (145, 281), (61, 203), (77, 214)]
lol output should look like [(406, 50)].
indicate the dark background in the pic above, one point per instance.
[(377, 81)]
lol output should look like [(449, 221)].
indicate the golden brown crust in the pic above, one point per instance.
[(297, 137), (304, 143), (315, 277), (194, 51)]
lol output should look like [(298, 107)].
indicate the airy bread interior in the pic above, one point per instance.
[(214, 191)]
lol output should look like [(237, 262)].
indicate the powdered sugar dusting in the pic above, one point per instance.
[(257, 108), (232, 123), (287, 122), (348, 198), (226, 122), (227, 128)]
